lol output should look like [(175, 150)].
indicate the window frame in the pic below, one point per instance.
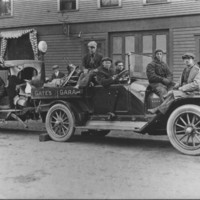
[(155, 3), (11, 13), (139, 45), (107, 7), (70, 10)]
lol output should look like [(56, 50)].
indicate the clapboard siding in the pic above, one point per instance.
[(60, 47), (183, 41), (40, 12)]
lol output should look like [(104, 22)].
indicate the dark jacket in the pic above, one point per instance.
[(104, 76), (2, 87), (157, 70), (90, 62), (60, 75), (11, 88)]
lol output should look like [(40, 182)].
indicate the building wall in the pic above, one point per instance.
[(62, 49), (98, 24), (184, 40), (42, 12)]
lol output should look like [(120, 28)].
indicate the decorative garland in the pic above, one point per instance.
[(16, 34)]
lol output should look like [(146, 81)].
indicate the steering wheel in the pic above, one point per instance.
[(123, 76)]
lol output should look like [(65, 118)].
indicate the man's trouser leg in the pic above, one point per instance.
[(161, 90), (165, 105)]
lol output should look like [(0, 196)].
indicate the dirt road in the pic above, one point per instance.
[(120, 165)]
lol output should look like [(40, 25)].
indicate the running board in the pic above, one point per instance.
[(113, 125)]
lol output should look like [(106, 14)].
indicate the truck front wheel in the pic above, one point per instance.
[(60, 123), (183, 129)]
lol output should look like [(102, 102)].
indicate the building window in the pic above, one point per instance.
[(5, 8), (66, 5), (141, 45), (108, 3), (19, 48), (146, 2)]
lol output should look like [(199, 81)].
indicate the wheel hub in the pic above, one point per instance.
[(59, 121), (189, 130)]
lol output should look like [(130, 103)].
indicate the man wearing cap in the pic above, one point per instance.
[(189, 83), (90, 63), (56, 73), (159, 75), (92, 60), (106, 74)]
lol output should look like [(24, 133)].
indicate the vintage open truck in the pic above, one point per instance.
[(99, 109)]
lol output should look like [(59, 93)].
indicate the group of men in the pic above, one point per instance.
[(95, 69), (161, 80)]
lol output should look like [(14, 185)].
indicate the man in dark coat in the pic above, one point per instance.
[(106, 74), (159, 75), (56, 74), (92, 60), (188, 84), (13, 81), (90, 63)]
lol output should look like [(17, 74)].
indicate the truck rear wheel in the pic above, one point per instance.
[(60, 123), (183, 129)]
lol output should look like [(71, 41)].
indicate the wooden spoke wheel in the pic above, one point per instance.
[(183, 129), (60, 123)]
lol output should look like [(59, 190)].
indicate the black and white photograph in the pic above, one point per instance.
[(99, 99)]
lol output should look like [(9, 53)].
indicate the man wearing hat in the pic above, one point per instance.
[(56, 73), (90, 63), (188, 84), (92, 60), (159, 76), (106, 74)]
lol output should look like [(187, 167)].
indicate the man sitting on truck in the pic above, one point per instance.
[(90, 63), (56, 73), (189, 83), (159, 76), (108, 74)]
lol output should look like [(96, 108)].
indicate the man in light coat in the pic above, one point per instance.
[(188, 84)]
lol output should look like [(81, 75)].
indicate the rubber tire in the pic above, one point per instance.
[(69, 135), (99, 133), (170, 123)]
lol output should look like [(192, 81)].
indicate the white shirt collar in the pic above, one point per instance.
[(56, 73)]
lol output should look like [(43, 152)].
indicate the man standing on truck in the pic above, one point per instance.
[(159, 75), (90, 63), (189, 83)]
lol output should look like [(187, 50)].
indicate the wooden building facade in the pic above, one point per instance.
[(119, 27)]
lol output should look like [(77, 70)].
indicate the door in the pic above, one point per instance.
[(113, 99)]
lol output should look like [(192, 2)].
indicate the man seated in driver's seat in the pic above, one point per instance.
[(106, 74), (119, 66)]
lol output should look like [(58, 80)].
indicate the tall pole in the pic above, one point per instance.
[(129, 66), (43, 67)]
